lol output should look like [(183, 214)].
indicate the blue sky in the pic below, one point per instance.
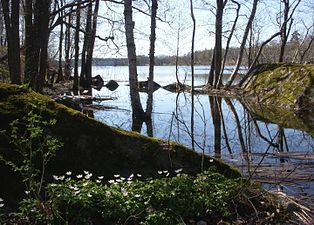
[(175, 12)]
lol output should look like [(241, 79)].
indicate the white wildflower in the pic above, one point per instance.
[(68, 173), (101, 177), (79, 176), (89, 195), (1, 205), (86, 172), (98, 181), (1, 199), (116, 175), (167, 175), (159, 172), (137, 195), (132, 175), (178, 170), (139, 175), (165, 171), (211, 160), (88, 176), (55, 177), (122, 178), (111, 181)]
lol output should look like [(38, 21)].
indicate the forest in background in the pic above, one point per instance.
[(48, 41)]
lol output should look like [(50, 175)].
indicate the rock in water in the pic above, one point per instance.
[(112, 85), (97, 81)]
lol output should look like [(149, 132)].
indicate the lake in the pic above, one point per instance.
[(280, 157)]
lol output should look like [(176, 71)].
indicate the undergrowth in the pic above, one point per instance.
[(183, 199)]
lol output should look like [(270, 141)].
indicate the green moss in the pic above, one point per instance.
[(281, 85), (92, 145)]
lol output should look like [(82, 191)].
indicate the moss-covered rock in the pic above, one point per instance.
[(94, 146), (288, 86)]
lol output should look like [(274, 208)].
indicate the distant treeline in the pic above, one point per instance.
[(269, 55)]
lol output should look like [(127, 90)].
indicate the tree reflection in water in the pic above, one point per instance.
[(226, 129)]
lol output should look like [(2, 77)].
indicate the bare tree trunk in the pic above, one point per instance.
[(60, 72), (11, 19), (2, 28), (149, 105), (32, 42), (91, 43), (283, 35), (215, 67), (44, 12), (218, 41), (177, 53), (286, 26), (192, 71), (242, 47), (88, 29), (229, 40), (67, 48), (129, 32), (211, 75), (77, 47)]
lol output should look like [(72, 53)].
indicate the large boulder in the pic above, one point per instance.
[(91, 145), (286, 86)]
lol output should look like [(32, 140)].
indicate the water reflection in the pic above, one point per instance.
[(263, 143)]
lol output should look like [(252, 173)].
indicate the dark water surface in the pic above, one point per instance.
[(280, 157)]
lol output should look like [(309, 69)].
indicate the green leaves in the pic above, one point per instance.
[(157, 201), (32, 146)]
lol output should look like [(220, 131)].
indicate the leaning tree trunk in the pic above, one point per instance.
[(129, 32), (149, 105), (242, 47), (11, 19), (229, 40)]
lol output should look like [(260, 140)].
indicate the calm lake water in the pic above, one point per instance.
[(281, 157)]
